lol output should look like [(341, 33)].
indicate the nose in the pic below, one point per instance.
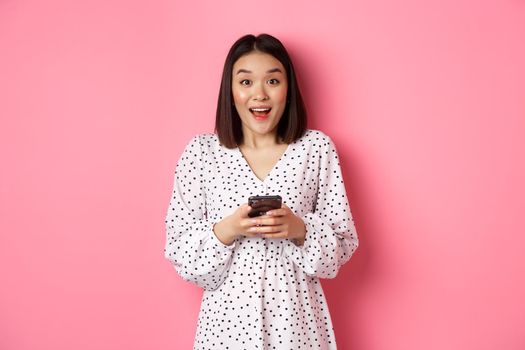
[(259, 94)]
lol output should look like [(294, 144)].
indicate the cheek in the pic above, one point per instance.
[(280, 95), (238, 96)]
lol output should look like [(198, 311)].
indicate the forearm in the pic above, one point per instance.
[(197, 255), (324, 249)]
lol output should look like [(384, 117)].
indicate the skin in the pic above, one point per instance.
[(259, 79)]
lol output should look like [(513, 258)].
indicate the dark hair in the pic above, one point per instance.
[(228, 126)]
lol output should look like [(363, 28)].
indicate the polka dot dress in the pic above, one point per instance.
[(260, 293)]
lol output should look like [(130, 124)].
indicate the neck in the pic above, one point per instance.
[(254, 140)]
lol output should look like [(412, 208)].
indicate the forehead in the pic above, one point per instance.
[(257, 62)]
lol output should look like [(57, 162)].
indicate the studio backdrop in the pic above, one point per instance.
[(425, 101)]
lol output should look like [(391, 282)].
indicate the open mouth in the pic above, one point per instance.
[(261, 112)]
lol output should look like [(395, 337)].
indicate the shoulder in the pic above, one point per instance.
[(203, 138), (203, 141), (321, 146), (204, 146), (317, 139)]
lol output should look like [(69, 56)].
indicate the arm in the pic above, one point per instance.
[(331, 237), (191, 245)]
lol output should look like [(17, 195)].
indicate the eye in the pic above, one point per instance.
[(273, 81), (245, 82)]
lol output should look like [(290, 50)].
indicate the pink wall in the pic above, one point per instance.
[(425, 100)]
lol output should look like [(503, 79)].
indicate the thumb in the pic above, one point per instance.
[(245, 209)]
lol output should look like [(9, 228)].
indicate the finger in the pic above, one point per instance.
[(268, 221), (279, 234), (277, 212), (245, 209), (248, 222), (265, 229)]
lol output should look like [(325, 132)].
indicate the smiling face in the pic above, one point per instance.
[(259, 88)]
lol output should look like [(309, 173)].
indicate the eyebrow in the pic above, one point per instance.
[(273, 70)]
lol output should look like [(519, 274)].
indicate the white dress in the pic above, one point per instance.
[(260, 293)]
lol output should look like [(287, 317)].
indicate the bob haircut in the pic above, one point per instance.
[(228, 125)]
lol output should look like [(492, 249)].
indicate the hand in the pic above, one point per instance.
[(280, 223), (235, 225)]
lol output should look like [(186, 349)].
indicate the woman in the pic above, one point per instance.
[(260, 275)]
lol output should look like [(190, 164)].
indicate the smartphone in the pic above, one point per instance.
[(261, 204)]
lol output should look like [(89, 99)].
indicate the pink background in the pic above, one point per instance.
[(424, 99)]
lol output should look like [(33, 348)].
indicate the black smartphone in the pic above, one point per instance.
[(261, 204)]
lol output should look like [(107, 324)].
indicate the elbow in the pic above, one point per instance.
[(353, 247), (206, 281), (324, 274), (169, 254), (211, 287), (328, 272), (321, 270)]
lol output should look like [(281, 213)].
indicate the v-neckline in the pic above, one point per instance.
[(272, 170)]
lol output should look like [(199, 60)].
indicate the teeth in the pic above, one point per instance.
[(260, 109)]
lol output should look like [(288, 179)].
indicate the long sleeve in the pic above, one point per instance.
[(331, 237), (191, 245)]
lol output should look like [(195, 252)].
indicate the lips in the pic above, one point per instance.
[(260, 113), (261, 110)]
